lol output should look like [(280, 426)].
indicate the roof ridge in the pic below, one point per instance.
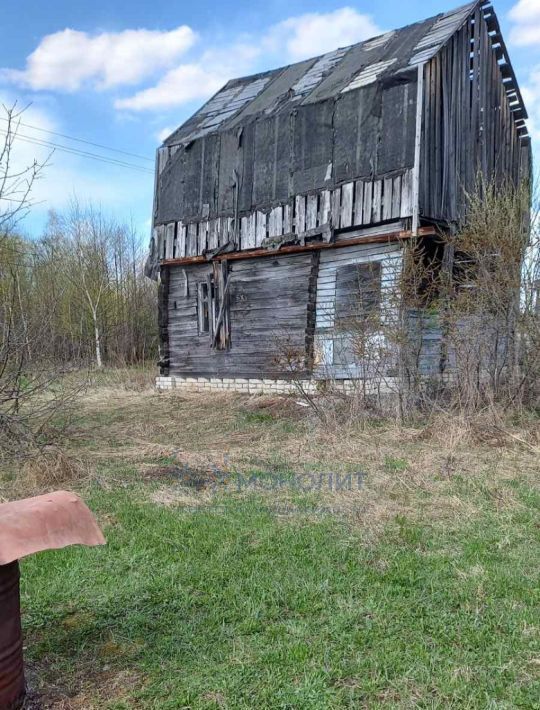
[(316, 57), (319, 78)]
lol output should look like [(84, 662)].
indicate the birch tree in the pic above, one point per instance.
[(90, 236)]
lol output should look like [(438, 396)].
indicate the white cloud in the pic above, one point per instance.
[(68, 60), (531, 98), (165, 133), (316, 33), (178, 86), (71, 60), (197, 80), (525, 10), (291, 40), (525, 15)]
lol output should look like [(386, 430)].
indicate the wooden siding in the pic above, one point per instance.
[(352, 205), (271, 300), (390, 258), (471, 121)]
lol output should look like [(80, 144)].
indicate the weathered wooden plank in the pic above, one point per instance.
[(202, 237), (300, 214), (311, 212), (396, 197), (358, 202), (275, 228), (346, 211), (287, 219), (163, 157), (387, 199), (211, 307), (231, 235), (454, 113), (411, 205), (200, 311), (181, 239), (407, 198), (175, 241), (244, 237), (336, 206), (426, 162), (169, 240), (251, 228), (159, 238), (325, 211), (366, 210), (221, 238), (261, 228), (376, 201), (213, 236), (191, 247), (436, 182)]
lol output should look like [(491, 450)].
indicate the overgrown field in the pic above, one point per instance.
[(257, 559)]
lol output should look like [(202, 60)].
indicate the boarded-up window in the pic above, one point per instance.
[(357, 310), (205, 306), (358, 292)]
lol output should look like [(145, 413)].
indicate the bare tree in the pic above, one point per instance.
[(100, 263), (16, 181)]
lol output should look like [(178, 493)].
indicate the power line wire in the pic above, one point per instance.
[(85, 154), (81, 140)]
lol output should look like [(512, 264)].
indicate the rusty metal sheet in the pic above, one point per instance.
[(12, 685), (46, 522)]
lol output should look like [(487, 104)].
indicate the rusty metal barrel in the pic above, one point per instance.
[(47, 522), (12, 684)]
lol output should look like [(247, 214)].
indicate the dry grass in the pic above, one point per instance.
[(45, 470), (409, 471), (134, 446), (92, 689), (131, 379), (51, 469)]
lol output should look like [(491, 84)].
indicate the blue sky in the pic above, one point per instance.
[(123, 74)]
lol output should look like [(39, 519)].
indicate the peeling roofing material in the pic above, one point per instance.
[(323, 77), (369, 75), (313, 76)]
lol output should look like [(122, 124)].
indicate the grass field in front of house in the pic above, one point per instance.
[(418, 588)]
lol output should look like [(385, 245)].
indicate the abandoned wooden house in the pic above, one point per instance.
[(291, 192)]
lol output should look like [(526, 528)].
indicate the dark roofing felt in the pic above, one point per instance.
[(324, 77)]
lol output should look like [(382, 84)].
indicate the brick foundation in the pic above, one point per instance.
[(235, 384), (259, 386)]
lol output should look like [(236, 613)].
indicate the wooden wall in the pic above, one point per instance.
[(359, 203), (469, 120), (327, 337), (272, 301)]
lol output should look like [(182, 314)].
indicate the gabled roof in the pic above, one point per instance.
[(313, 80)]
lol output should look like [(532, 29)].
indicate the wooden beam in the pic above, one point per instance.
[(417, 141), (299, 249)]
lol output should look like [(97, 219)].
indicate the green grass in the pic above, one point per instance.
[(419, 588), (395, 464), (244, 609)]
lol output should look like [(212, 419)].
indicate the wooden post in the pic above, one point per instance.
[(417, 151)]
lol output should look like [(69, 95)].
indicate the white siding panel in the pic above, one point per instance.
[(390, 258)]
